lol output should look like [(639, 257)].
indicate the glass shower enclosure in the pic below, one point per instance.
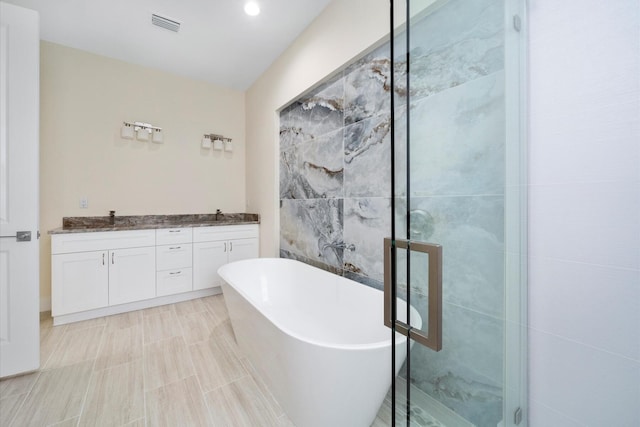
[(457, 247)]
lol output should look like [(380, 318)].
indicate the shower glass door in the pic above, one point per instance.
[(456, 253)]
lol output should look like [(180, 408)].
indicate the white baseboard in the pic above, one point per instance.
[(131, 306)]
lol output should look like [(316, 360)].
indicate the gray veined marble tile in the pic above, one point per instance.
[(457, 140), (471, 232), (367, 146), (466, 375), (400, 151), (368, 87), (367, 221), (314, 169), (318, 264), (308, 227), (460, 42), (314, 115)]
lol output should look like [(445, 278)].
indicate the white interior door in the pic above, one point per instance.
[(19, 126)]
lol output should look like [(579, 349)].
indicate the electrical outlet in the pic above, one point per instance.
[(84, 203)]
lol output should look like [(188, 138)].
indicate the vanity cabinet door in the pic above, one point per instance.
[(243, 249), (132, 274), (81, 282), (207, 258)]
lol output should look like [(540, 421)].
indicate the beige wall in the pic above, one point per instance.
[(344, 30), (84, 100)]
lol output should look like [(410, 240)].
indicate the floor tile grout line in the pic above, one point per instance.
[(266, 399), (93, 371), (143, 364), (24, 399), (228, 383), (64, 365), (55, 347), (202, 392)]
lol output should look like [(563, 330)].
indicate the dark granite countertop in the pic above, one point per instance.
[(86, 224)]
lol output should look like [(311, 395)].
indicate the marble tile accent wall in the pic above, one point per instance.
[(335, 173), (335, 190)]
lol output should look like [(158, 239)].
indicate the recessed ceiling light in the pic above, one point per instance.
[(251, 8)]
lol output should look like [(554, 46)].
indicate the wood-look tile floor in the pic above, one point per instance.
[(175, 365)]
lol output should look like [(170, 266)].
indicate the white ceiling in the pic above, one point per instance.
[(217, 41)]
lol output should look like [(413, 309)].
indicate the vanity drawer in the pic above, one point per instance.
[(169, 257), (173, 281), (100, 241), (169, 236), (225, 232)]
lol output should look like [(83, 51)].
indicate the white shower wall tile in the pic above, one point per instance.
[(313, 170), (594, 223), (308, 227), (367, 150), (584, 113), (541, 415), (593, 387), (614, 154), (604, 304), (458, 140)]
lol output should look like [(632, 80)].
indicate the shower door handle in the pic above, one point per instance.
[(433, 337)]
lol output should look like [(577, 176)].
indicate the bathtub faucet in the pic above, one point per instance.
[(339, 245)]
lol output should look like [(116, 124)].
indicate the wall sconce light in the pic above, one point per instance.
[(142, 131), (206, 141), (218, 142), (126, 131), (142, 134), (157, 136)]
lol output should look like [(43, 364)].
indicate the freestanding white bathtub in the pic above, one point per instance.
[(317, 339)]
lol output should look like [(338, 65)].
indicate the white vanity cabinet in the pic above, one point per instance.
[(173, 261), (215, 246), (102, 273), (93, 270)]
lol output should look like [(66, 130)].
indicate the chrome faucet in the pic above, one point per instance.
[(339, 245)]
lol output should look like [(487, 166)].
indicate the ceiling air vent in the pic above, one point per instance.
[(163, 22)]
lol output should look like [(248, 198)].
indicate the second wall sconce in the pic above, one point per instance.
[(218, 142), (142, 131)]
